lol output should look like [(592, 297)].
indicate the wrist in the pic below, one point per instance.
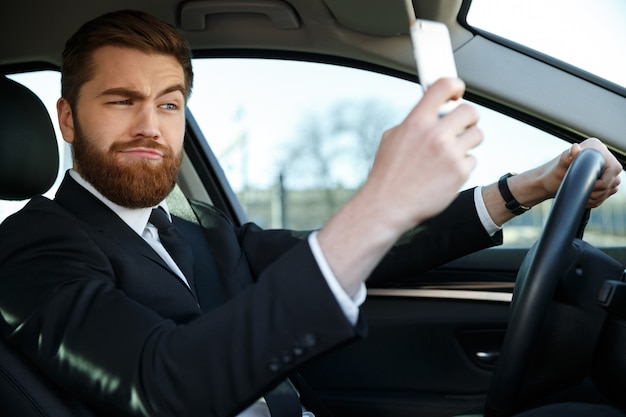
[(355, 239), (389, 221), (527, 188), (510, 202)]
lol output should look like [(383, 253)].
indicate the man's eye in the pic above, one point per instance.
[(122, 102), (169, 106)]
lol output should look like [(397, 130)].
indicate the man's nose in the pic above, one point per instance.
[(146, 123)]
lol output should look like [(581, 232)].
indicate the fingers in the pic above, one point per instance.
[(456, 122), (574, 150), (607, 185), (598, 197), (421, 163), (456, 131), (609, 181), (437, 95), (461, 118), (470, 138)]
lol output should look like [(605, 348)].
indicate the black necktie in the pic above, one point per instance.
[(173, 241)]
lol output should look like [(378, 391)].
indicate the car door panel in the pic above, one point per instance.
[(426, 353)]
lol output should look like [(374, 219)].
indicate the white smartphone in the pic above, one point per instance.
[(433, 54)]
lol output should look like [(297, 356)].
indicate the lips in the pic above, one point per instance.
[(146, 153), (142, 148)]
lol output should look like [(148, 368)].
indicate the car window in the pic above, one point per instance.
[(293, 159), (296, 140)]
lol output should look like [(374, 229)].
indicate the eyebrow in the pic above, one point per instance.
[(135, 94)]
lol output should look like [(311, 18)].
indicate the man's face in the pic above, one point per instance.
[(128, 126)]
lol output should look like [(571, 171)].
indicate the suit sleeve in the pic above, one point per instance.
[(455, 232), (60, 307)]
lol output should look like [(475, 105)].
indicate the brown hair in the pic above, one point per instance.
[(126, 28)]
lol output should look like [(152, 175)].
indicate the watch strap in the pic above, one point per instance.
[(509, 201)]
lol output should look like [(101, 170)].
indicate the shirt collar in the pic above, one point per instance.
[(135, 218)]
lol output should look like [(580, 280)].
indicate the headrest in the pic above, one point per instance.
[(29, 155)]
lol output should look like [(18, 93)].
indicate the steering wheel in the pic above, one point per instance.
[(537, 281)]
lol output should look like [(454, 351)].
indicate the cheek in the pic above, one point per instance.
[(174, 135), (100, 133)]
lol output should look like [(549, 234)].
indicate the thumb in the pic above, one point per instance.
[(438, 94), (574, 150)]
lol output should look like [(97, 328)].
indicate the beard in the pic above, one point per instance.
[(133, 184)]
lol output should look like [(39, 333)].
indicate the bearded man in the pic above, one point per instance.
[(93, 296)]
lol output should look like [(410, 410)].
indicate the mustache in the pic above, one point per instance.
[(142, 143)]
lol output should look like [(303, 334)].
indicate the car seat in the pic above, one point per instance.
[(29, 163)]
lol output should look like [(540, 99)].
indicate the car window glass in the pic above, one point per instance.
[(588, 35), (296, 140), (293, 159)]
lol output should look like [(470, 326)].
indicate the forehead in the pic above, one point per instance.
[(115, 66)]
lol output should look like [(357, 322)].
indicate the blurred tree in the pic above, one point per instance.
[(334, 150)]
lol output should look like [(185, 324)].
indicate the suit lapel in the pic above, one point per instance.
[(98, 217)]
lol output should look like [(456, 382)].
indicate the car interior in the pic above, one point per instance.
[(494, 333)]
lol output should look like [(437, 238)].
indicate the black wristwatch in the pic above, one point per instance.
[(509, 201)]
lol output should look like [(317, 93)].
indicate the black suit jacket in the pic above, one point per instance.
[(97, 310)]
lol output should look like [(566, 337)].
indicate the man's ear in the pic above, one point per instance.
[(66, 120)]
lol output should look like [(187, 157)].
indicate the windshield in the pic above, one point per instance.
[(587, 34)]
